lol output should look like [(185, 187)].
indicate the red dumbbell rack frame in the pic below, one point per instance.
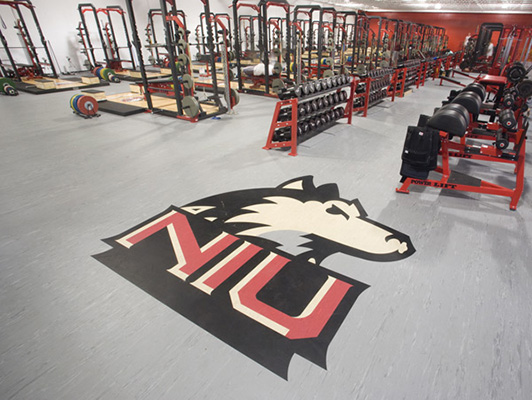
[(364, 95), (292, 122)]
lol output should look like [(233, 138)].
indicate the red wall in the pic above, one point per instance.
[(458, 25)]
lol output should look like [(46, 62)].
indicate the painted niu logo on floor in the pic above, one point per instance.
[(246, 266)]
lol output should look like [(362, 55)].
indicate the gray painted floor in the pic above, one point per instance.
[(453, 321)]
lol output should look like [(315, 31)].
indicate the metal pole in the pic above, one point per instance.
[(210, 45), (170, 48), (9, 55), (32, 51), (138, 47), (238, 47)]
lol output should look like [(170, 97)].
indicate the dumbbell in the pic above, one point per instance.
[(501, 141), (305, 89), (325, 100), (285, 114), (304, 127), (314, 105), (336, 98), (507, 119), (343, 95), (286, 93), (318, 86), (508, 100), (301, 111), (282, 135), (317, 123), (320, 103), (340, 112)]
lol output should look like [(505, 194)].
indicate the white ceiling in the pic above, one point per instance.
[(472, 6)]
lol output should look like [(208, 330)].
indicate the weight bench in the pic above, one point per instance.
[(449, 121)]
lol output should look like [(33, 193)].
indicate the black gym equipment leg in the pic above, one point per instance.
[(138, 47)]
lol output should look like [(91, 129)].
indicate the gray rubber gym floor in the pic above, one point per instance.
[(452, 321)]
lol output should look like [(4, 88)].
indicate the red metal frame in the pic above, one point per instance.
[(364, 95), (486, 153), (401, 81)]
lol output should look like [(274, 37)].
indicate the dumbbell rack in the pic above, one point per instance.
[(290, 108), (424, 71), (407, 76), (372, 89), (431, 69)]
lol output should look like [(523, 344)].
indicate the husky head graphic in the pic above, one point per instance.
[(317, 220)]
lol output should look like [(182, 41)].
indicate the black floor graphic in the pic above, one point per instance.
[(210, 262)]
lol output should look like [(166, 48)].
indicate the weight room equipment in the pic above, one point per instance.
[(308, 109), (459, 118), (84, 106), (109, 45), (157, 56), (106, 74), (7, 87), (372, 89), (40, 75), (175, 97), (259, 67), (510, 39), (41, 65)]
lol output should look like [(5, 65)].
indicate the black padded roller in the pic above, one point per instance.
[(471, 101), (449, 120), (461, 109), (476, 88)]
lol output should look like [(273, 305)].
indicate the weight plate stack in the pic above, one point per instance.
[(84, 105)]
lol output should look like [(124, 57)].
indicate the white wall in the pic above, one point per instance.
[(59, 19)]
